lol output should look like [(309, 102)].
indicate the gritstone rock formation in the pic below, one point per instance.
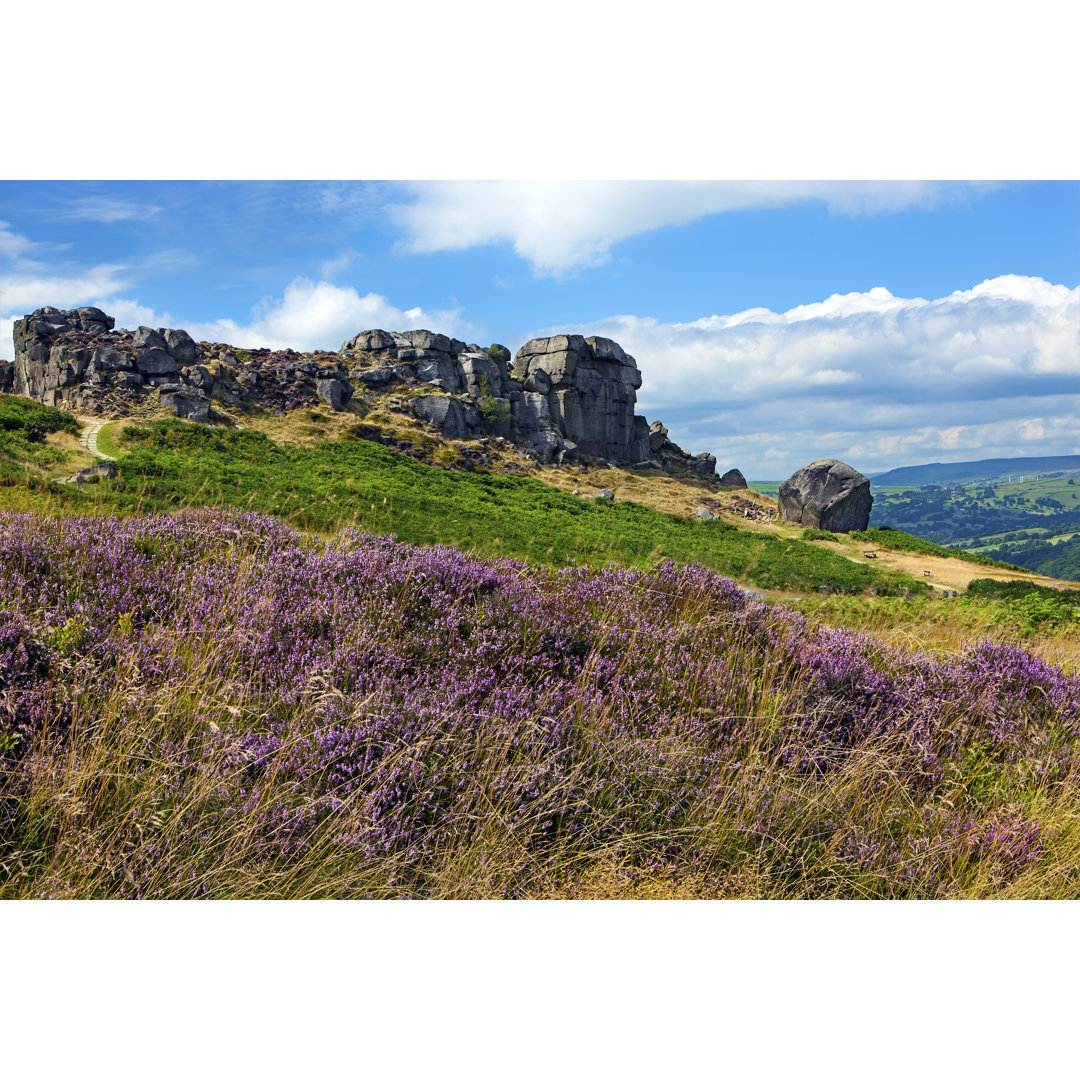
[(827, 495), (563, 398)]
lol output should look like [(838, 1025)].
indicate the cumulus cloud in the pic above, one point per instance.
[(22, 293), (871, 378), (559, 226), (320, 315), (308, 314)]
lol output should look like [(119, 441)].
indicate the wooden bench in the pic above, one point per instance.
[(870, 554)]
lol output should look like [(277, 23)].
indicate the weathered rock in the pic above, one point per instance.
[(453, 418), (704, 514), (154, 362), (827, 495), (425, 339), (103, 470), (441, 370), (91, 319), (201, 377), (375, 377), (110, 360), (149, 337), (733, 478), (334, 392), (369, 341), (590, 389), (480, 372), (606, 494), (179, 345), (186, 402)]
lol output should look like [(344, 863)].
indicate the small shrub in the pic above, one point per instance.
[(492, 409)]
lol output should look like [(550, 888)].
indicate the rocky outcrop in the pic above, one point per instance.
[(589, 387), (827, 495), (669, 456), (564, 397), (561, 398), (186, 402), (80, 361), (733, 478), (334, 392)]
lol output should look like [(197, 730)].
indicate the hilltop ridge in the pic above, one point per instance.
[(973, 471), (562, 398)]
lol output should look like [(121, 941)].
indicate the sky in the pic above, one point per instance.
[(775, 323)]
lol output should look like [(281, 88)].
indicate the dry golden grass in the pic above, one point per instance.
[(301, 427), (79, 459), (953, 573)]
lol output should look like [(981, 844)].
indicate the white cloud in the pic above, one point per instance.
[(308, 315), (16, 249), (332, 267), (22, 293), (105, 210), (558, 226), (868, 377), (320, 315)]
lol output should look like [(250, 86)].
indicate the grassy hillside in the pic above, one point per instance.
[(25, 449), (207, 703), (898, 540), (339, 483), (1059, 558)]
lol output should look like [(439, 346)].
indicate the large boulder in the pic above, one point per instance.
[(589, 385), (154, 362), (733, 478), (187, 402), (334, 392), (453, 418), (146, 335), (179, 345), (827, 495)]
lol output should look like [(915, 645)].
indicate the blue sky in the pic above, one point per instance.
[(774, 323)]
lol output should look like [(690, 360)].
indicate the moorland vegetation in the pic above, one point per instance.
[(249, 667)]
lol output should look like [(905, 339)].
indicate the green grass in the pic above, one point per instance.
[(106, 441), (24, 425), (365, 485)]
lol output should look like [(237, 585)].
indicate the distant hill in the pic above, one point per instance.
[(967, 471)]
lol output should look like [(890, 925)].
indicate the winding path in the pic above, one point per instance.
[(88, 439), (89, 436)]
